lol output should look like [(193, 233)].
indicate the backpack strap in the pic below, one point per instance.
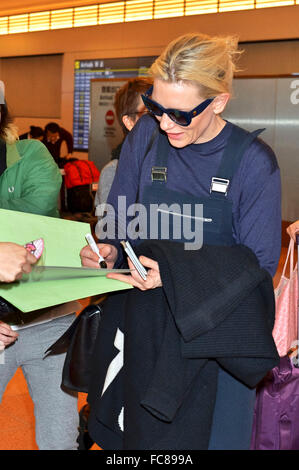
[(238, 143), (90, 170)]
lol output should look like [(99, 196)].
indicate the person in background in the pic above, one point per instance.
[(293, 230), (59, 142), (129, 108), (35, 132), (30, 182)]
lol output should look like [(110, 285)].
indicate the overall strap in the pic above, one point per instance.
[(159, 171), (148, 148), (237, 144)]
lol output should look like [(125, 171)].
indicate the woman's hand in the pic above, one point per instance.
[(293, 229), (153, 278), (7, 335), (91, 259), (15, 260)]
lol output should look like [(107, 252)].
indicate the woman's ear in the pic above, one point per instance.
[(128, 122), (219, 103)]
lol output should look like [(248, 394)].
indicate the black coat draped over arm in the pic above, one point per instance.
[(216, 308)]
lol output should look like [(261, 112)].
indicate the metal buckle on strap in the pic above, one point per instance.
[(220, 185), (159, 173)]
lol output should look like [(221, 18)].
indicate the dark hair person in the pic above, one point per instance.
[(129, 108), (128, 103), (35, 132)]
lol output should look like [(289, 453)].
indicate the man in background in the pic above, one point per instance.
[(59, 142)]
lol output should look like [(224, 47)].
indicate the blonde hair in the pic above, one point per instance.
[(208, 62), (10, 134)]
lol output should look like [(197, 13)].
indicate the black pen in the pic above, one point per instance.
[(95, 249)]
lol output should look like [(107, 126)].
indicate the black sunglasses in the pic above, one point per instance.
[(182, 118)]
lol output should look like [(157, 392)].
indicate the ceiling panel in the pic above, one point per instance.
[(11, 7)]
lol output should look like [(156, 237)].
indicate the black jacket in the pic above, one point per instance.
[(216, 307)]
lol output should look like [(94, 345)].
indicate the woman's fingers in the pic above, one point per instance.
[(91, 259), (153, 278), (149, 263)]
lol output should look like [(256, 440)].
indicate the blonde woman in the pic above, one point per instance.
[(197, 158)]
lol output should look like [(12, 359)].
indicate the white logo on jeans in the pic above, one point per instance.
[(117, 363), (121, 419)]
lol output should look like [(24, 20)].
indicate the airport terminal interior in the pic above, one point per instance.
[(62, 61)]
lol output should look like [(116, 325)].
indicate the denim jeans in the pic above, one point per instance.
[(56, 413), (233, 414)]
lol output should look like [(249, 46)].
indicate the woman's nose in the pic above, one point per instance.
[(166, 123)]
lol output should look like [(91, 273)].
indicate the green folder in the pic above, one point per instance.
[(49, 284)]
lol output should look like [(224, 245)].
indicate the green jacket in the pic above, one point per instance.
[(31, 181)]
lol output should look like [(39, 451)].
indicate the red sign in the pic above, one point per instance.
[(109, 117)]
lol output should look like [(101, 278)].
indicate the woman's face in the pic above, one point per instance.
[(185, 97)]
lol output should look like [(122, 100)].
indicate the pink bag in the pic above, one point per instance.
[(286, 298), (276, 425)]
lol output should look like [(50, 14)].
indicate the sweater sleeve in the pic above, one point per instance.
[(41, 181), (257, 214), (124, 190), (222, 303)]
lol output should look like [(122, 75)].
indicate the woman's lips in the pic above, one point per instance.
[(174, 136)]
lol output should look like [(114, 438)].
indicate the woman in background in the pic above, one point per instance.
[(129, 108)]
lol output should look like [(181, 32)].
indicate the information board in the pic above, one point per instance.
[(105, 132), (85, 71)]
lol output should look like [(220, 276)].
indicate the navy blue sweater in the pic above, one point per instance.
[(254, 191)]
